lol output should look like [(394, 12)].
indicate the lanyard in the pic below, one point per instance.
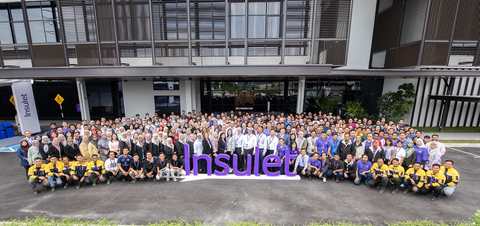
[(136, 164), (112, 163), (336, 165), (162, 164), (323, 163), (175, 163)]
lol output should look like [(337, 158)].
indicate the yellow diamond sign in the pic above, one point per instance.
[(12, 100), (59, 99)]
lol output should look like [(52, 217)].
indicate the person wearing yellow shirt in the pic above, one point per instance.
[(96, 170), (435, 182), (451, 177), (379, 175), (79, 172), (55, 168), (65, 174), (396, 172), (38, 174), (414, 178)]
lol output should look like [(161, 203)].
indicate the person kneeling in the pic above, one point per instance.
[(65, 175), (38, 174), (79, 172), (163, 168), (336, 168), (55, 168), (396, 175), (176, 168), (313, 166), (379, 175), (150, 166), (136, 169), (301, 163), (435, 181), (363, 170), (414, 178), (111, 167), (350, 167), (96, 170)]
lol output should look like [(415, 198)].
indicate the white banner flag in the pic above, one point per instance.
[(25, 106)]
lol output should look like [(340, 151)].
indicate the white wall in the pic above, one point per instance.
[(138, 96), (391, 84), (361, 33)]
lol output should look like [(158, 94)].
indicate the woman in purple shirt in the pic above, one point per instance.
[(422, 153), (293, 150)]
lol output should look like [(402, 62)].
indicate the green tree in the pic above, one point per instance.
[(395, 105)]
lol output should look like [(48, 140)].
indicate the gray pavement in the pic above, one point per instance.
[(218, 201), (456, 136)]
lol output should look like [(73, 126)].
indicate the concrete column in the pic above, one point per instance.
[(189, 94), (361, 34), (301, 94), (83, 99)]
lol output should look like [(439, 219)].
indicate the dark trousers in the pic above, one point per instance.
[(109, 175), (436, 190), (77, 182), (260, 157), (379, 180), (397, 182), (238, 152), (65, 181), (299, 170), (351, 176), (121, 176), (26, 170), (270, 152), (245, 157)]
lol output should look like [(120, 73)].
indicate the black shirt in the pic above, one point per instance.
[(163, 164), (176, 164), (150, 166), (136, 165)]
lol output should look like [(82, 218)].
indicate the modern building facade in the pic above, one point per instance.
[(122, 57)]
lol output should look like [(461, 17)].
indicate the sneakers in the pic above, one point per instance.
[(53, 189), (368, 185), (78, 187), (395, 191), (133, 181), (66, 185), (35, 192), (382, 191), (123, 179), (108, 181), (402, 186), (406, 191), (168, 179), (310, 178), (174, 179), (94, 184), (324, 179), (434, 198)]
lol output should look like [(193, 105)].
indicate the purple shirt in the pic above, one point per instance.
[(422, 154), (317, 163), (362, 167), (322, 145), (281, 150), (293, 152)]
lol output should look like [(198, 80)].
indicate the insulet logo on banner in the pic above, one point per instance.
[(26, 106), (266, 164)]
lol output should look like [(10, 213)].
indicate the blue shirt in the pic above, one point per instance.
[(322, 145), (281, 150), (125, 162), (288, 123), (266, 132), (362, 167), (334, 147), (368, 144), (405, 142), (317, 163)]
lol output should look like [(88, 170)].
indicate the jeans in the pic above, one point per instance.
[(408, 185), (367, 177), (448, 191), (178, 173), (261, 157), (77, 182), (164, 173), (310, 154), (337, 175), (51, 180)]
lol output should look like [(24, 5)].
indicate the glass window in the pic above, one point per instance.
[(237, 8), (237, 28), (167, 104), (6, 34), (166, 85), (256, 26), (20, 33), (257, 8)]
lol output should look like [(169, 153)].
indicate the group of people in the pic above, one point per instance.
[(377, 153)]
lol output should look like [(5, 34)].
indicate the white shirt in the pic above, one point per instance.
[(271, 143), (261, 138), (238, 141), (108, 164), (399, 153), (249, 142)]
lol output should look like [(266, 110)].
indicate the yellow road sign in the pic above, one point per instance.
[(59, 99), (12, 100)]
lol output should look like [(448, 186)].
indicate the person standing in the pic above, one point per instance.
[(22, 153), (248, 148), (261, 139)]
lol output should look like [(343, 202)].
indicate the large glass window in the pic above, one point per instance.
[(298, 19), (167, 104), (264, 20), (43, 21), (135, 54), (237, 20), (78, 21), (169, 20), (207, 19), (133, 20)]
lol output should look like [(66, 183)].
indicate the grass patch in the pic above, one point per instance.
[(40, 221), (449, 129)]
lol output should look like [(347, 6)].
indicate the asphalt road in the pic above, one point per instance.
[(218, 201)]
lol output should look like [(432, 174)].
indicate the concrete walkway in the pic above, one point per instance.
[(456, 136)]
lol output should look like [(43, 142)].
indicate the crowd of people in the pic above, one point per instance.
[(376, 153)]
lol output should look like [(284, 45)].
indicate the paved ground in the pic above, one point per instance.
[(217, 201)]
